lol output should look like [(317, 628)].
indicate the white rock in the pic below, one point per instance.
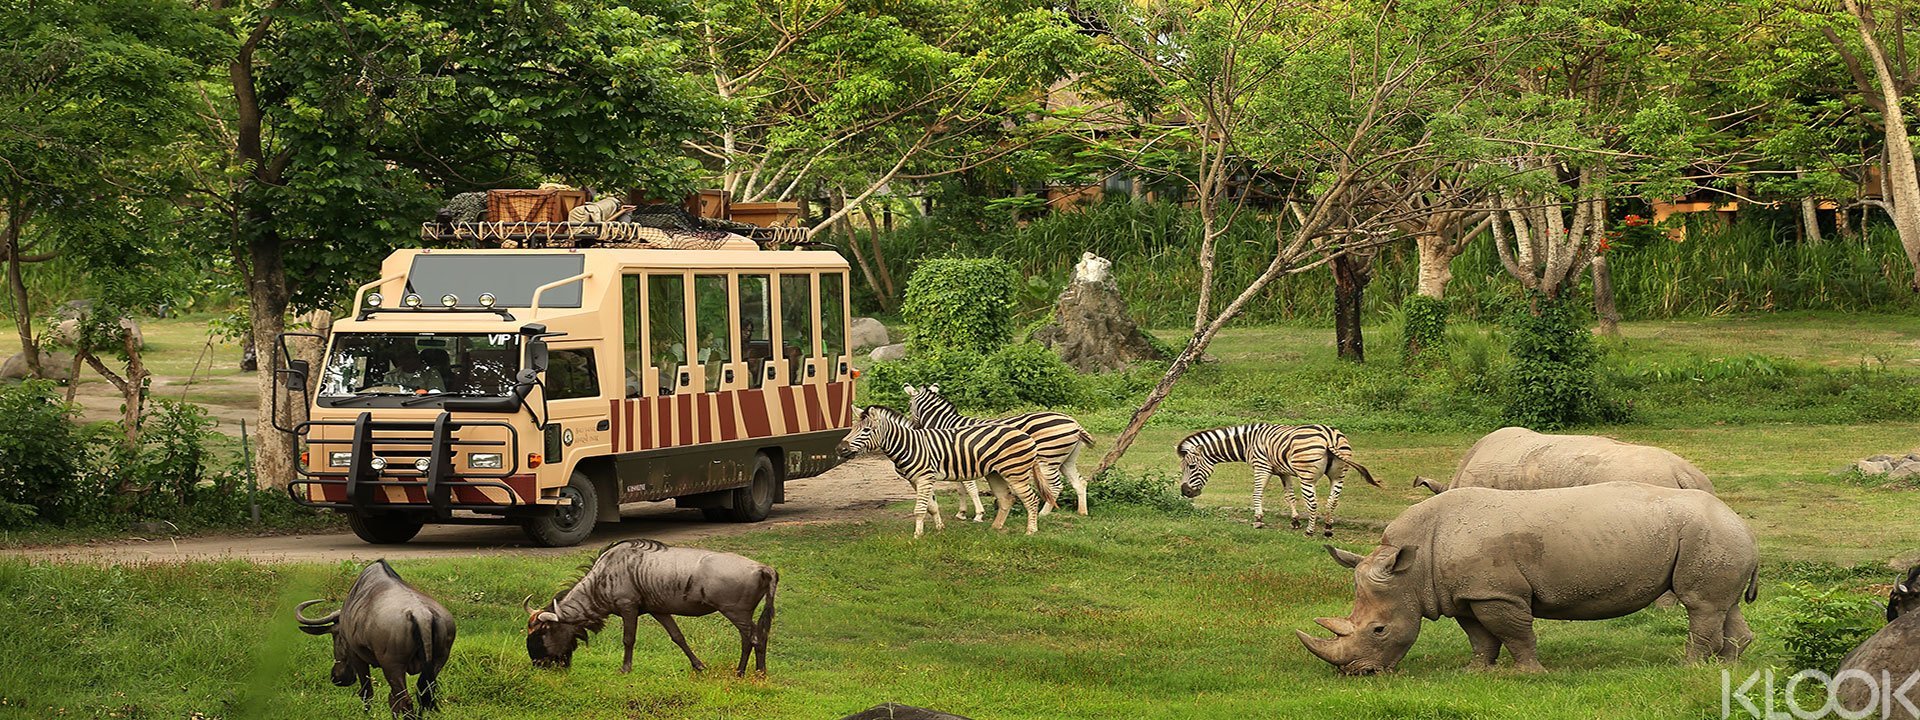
[(1904, 471), (887, 353), (1871, 466), (867, 333), (1092, 269), (53, 366)]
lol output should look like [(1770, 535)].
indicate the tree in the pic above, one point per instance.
[(344, 120), (1325, 107), (90, 94), (1883, 80)]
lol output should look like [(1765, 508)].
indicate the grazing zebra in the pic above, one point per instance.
[(1057, 440), (1302, 452), (1002, 455)]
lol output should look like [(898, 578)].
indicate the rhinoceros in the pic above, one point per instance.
[(1496, 559), (1515, 458), (1890, 659)]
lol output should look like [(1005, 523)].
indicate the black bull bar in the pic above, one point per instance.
[(439, 436)]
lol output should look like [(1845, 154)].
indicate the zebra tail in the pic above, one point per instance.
[(1086, 439), (1039, 481), (1368, 476)]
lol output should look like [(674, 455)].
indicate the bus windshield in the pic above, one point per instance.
[(375, 365)]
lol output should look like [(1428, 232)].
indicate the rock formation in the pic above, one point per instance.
[(1091, 327)]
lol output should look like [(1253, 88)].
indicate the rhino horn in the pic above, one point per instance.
[(328, 619), (1343, 557), (1323, 648), (1432, 486), (1341, 627)]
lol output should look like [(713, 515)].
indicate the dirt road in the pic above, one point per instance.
[(859, 489)]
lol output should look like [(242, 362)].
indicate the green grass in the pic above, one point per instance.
[(1125, 614)]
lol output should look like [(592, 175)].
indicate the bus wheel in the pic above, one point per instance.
[(568, 524), (385, 528), (755, 501)]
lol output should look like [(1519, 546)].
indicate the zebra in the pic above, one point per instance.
[(1302, 452), (1002, 455), (1057, 439)]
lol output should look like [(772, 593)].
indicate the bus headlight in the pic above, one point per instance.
[(412, 300), (449, 300), (487, 300), (377, 464), (339, 459), (373, 299), (484, 461)]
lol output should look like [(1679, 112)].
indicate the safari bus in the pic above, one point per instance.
[(547, 372)]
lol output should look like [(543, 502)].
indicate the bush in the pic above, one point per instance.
[(41, 456), (1552, 381), (173, 455), (1152, 490), (1425, 333), (963, 304), (1021, 374), (1822, 626)]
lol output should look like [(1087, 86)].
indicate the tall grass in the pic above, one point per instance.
[(1747, 267)]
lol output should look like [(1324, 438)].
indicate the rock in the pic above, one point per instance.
[(54, 365), (867, 333), (1872, 466), (1880, 458), (888, 353), (73, 309), (896, 711), (1904, 471), (66, 332), (1091, 328)]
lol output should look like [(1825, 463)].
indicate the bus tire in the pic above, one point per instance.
[(567, 524), (755, 501), (385, 528)]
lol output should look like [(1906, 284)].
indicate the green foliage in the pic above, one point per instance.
[(42, 453), (1552, 381), (1151, 490), (1425, 332), (173, 457), (1022, 374), (1822, 625), (963, 304)]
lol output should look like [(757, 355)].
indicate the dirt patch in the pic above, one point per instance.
[(858, 490)]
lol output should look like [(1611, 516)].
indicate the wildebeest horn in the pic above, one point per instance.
[(527, 605), (304, 620)]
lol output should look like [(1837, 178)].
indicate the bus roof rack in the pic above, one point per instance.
[(535, 235)]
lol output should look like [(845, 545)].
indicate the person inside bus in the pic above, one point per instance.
[(413, 373)]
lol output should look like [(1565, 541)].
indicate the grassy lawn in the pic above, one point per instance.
[(1129, 613)]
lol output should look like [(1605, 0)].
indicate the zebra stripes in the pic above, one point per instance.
[(1302, 452), (1002, 455), (1057, 439)]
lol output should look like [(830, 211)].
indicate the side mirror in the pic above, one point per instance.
[(297, 371), (537, 356)]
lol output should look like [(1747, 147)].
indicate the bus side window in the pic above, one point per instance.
[(571, 374), (833, 321), (711, 322), (756, 330), (667, 320), (636, 359), (796, 324)]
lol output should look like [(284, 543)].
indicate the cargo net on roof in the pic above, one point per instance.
[(648, 226)]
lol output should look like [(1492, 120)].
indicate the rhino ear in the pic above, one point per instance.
[(1343, 557), (1400, 558)]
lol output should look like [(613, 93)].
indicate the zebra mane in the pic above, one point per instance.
[(891, 415)]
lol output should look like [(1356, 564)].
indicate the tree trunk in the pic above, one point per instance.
[(866, 267), (879, 256), (1436, 265), (267, 303), (1160, 391), (1603, 297), (1843, 223), (17, 285), (1902, 181), (1350, 277)]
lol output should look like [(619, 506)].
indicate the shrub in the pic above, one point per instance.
[(1152, 490), (961, 304), (173, 453), (1021, 374), (1552, 381), (1425, 332), (1822, 625), (41, 455)]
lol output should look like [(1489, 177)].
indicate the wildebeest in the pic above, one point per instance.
[(632, 577), (386, 623), (1515, 458), (1495, 560)]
